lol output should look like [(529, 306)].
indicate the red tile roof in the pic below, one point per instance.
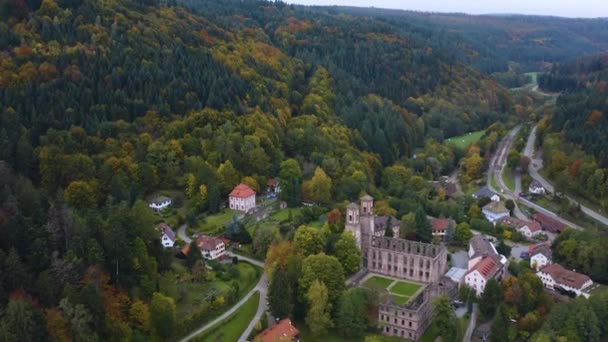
[(535, 246), (242, 191), (282, 331), (439, 224), (549, 223), (565, 276), (208, 243), (487, 267)]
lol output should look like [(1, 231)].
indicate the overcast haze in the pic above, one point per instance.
[(562, 8)]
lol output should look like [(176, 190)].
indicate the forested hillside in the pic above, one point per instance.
[(575, 134), (492, 43), (103, 103)]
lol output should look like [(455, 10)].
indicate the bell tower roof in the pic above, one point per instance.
[(352, 205), (367, 197)]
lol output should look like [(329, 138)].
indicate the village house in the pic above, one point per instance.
[(548, 223), (527, 228), (555, 277), (485, 192), (167, 236), (494, 211), (242, 198), (536, 188), (282, 331), (272, 185), (540, 256), (440, 227), (211, 247), (160, 203), (484, 263)]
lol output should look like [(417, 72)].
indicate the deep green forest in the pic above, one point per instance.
[(105, 103)]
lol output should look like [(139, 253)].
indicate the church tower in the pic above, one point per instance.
[(367, 205), (352, 221)]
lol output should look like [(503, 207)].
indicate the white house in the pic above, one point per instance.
[(478, 276), (479, 247), (160, 203), (541, 257), (440, 227), (211, 247), (530, 229), (554, 276), (167, 237), (242, 198), (494, 211), (536, 188)]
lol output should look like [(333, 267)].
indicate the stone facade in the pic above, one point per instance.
[(412, 319), (403, 259)]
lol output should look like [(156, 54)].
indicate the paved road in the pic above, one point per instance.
[(537, 163), (261, 287), (471, 327), (495, 170), (497, 165)]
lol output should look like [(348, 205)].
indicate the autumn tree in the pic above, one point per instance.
[(308, 241), (277, 256), (139, 315), (228, 176), (81, 194), (318, 189), (252, 183), (463, 233), (348, 253), (162, 315), (318, 317), (326, 269)]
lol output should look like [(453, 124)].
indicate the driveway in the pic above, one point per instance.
[(261, 287), (516, 250)]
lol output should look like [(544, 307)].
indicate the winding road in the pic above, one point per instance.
[(497, 165), (537, 163), (260, 287)]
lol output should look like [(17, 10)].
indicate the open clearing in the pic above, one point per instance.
[(463, 141)]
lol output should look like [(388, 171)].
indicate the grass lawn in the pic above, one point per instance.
[(214, 224), (376, 281), (230, 329), (463, 141), (404, 289), (400, 299), (283, 214), (508, 178)]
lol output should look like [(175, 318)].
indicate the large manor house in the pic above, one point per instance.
[(398, 258)]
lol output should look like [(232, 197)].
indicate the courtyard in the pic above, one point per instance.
[(401, 290)]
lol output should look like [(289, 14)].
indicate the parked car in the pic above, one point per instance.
[(524, 255)]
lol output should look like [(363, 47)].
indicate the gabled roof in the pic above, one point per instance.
[(496, 207), (484, 192), (208, 243), (160, 200), (242, 191), (565, 277), (549, 223), (544, 250), (487, 267), (282, 331), (535, 185), (481, 247), (439, 224), (166, 230)]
